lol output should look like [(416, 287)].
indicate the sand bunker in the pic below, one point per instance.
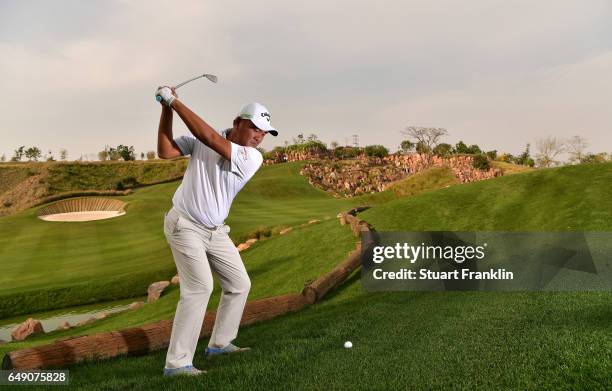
[(82, 209)]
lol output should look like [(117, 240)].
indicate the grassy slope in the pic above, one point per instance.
[(451, 340), (117, 258), (276, 266), (431, 179), (563, 199)]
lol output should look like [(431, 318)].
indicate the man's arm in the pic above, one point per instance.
[(202, 131), (166, 147)]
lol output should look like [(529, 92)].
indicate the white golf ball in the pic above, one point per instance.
[(348, 344)]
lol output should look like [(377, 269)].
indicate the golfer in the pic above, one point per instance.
[(219, 166)]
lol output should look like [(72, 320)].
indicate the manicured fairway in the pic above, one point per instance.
[(402, 340)]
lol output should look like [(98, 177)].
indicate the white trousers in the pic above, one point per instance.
[(198, 252)]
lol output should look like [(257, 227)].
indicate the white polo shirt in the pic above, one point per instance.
[(211, 181)]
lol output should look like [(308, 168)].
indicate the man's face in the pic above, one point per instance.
[(248, 134)]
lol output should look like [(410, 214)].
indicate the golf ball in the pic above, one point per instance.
[(348, 344)]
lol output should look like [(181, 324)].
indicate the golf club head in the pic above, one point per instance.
[(212, 78)]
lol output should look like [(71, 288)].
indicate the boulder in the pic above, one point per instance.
[(284, 231), (63, 326), (135, 305), (155, 290), (243, 246), (175, 280), (25, 329), (86, 321), (101, 315)]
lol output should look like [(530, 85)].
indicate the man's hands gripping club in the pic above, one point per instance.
[(165, 95)]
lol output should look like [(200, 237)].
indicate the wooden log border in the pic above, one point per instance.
[(156, 336)]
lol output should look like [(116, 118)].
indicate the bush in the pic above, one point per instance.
[(492, 155), (346, 152), (312, 145), (481, 162), (442, 149), (376, 150), (126, 183)]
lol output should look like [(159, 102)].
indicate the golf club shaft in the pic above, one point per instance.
[(212, 78)]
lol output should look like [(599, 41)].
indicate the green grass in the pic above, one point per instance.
[(426, 340), (562, 199), (402, 340), (50, 265), (276, 267), (431, 179), (416, 340)]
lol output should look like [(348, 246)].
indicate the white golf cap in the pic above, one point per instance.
[(259, 115)]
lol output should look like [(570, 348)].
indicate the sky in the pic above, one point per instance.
[(80, 75)]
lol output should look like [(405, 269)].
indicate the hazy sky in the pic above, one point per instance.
[(81, 74)]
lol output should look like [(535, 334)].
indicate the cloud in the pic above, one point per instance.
[(486, 70)]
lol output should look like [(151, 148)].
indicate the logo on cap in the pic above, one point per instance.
[(266, 115)]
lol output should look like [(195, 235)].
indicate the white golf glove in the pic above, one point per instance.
[(165, 93)]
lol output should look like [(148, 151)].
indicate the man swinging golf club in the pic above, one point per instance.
[(219, 166)]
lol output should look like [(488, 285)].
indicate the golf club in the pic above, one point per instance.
[(210, 77)]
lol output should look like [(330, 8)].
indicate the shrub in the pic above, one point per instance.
[(481, 162), (492, 155), (346, 152), (126, 183), (442, 149), (376, 150)]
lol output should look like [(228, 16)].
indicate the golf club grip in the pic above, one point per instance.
[(158, 98)]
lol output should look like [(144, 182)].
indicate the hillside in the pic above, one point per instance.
[(558, 199), (23, 185)]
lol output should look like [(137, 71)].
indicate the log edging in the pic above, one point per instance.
[(156, 336)]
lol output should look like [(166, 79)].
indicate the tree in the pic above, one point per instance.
[(127, 153), (407, 146), (548, 150), (3, 158), (524, 158), (33, 153), (103, 155), (442, 149), (576, 147), (460, 147), (333, 144), (299, 139), (50, 157), (142, 155), (151, 155), (428, 137), (474, 149), (422, 148), (18, 154), (63, 154), (593, 158), (492, 155), (113, 154), (376, 150), (313, 137)]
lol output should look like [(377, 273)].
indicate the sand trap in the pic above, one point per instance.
[(82, 216), (82, 209)]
